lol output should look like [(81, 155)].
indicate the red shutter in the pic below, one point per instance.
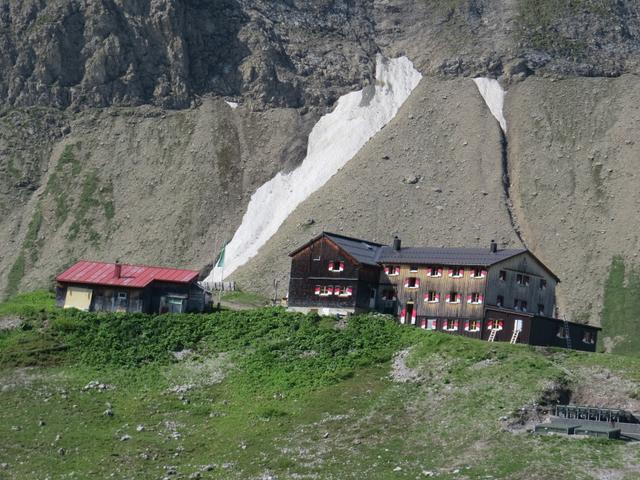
[(451, 272), (455, 324), (330, 266), (437, 297), (417, 283), (317, 290), (329, 290), (489, 324), (414, 312), (386, 270), (469, 298), (341, 266), (423, 323), (466, 325), (483, 273), (349, 291), (403, 315), (440, 270), (337, 290), (426, 297), (406, 282), (480, 299), (458, 297), (397, 271), (462, 272), (448, 297)]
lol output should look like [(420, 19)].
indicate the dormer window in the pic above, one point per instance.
[(478, 272), (412, 282), (336, 266), (434, 272), (456, 272), (392, 270)]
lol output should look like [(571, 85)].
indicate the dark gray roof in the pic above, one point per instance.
[(362, 250), (479, 257)]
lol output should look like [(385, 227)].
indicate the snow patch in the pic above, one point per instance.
[(334, 140), (493, 95), (233, 105)]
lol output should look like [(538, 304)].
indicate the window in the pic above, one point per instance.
[(456, 272), (520, 305), (432, 296), (500, 301), (336, 266), (541, 309), (543, 284), (502, 275), (587, 337), (389, 294), (392, 270), (432, 324), (495, 324), (344, 291), (317, 259), (472, 326), (122, 295), (478, 272), (453, 297), (323, 290), (562, 332), (522, 279), (412, 282), (450, 325), (474, 298), (434, 272), (413, 268)]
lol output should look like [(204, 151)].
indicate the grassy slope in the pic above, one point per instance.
[(621, 309), (300, 399)]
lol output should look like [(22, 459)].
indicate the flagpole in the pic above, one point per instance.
[(221, 284)]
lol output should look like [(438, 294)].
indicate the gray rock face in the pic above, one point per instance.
[(99, 53)]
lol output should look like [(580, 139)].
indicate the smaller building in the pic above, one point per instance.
[(115, 287)]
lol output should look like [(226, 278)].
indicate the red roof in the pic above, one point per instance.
[(133, 276)]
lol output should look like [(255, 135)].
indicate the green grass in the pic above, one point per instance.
[(247, 299), (621, 308), (280, 394), (15, 276)]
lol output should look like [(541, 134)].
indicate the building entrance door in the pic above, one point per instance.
[(517, 325), (372, 299), (410, 316)]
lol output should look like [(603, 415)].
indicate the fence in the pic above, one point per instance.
[(219, 286)]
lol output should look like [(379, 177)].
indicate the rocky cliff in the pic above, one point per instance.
[(120, 136)]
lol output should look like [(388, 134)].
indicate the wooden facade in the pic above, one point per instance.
[(497, 295), (345, 284)]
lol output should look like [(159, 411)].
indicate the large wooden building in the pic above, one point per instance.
[(486, 293), (114, 287)]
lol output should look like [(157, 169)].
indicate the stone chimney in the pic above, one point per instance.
[(493, 247), (118, 270), (396, 243)]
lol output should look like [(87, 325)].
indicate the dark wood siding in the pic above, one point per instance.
[(544, 331), (310, 268), (524, 264)]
